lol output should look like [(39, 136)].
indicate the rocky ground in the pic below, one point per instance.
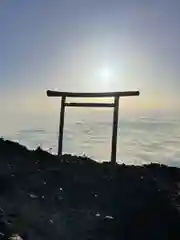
[(47, 197)]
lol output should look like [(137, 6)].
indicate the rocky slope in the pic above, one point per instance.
[(44, 196)]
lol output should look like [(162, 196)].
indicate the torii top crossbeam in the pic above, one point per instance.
[(115, 105), (91, 94)]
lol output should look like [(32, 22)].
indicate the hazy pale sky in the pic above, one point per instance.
[(89, 45)]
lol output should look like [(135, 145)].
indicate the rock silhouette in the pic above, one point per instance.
[(43, 196)]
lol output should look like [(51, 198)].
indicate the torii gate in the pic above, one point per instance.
[(115, 105)]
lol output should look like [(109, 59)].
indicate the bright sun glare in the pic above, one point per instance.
[(105, 73), (105, 77)]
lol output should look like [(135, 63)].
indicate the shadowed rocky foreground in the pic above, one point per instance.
[(47, 197)]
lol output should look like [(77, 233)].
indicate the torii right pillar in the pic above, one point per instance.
[(115, 122)]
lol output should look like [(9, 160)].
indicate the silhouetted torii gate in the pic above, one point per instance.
[(115, 105)]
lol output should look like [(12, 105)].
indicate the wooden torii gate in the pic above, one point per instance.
[(115, 105)]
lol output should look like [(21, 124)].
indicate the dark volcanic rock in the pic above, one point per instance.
[(43, 196)]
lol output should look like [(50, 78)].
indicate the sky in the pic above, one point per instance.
[(89, 45)]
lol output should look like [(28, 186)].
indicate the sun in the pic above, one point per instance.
[(105, 73), (105, 77)]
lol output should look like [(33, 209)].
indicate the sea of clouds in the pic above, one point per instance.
[(140, 139)]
